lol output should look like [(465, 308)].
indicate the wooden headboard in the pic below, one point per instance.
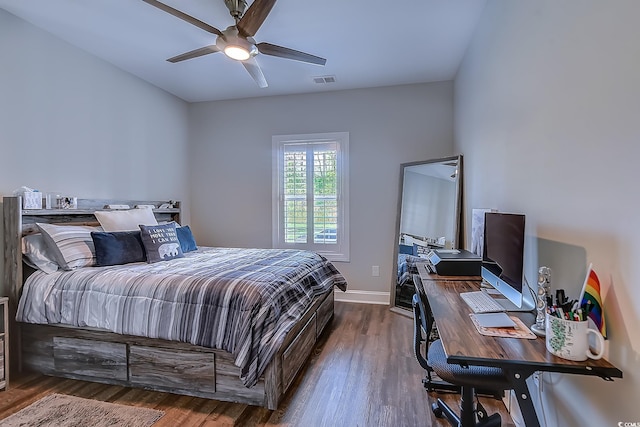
[(20, 222)]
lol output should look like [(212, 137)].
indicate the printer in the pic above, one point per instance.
[(454, 262)]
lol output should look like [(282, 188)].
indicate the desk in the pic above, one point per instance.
[(519, 358)]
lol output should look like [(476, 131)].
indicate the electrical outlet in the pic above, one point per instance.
[(375, 270)]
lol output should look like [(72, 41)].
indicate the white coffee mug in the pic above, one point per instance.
[(569, 339)]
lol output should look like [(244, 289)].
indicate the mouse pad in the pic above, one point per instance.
[(519, 331)]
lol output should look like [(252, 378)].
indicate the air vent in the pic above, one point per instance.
[(324, 79)]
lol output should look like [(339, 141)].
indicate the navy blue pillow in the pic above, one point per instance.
[(118, 247), (187, 241)]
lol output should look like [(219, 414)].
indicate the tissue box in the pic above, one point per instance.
[(32, 200)]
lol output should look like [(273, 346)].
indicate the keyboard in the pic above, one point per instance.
[(480, 302)]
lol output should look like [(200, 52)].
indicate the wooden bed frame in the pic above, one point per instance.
[(155, 364)]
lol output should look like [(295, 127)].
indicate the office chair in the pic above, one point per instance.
[(466, 378), (423, 322)]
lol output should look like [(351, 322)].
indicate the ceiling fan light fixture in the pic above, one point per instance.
[(236, 47), (238, 53)]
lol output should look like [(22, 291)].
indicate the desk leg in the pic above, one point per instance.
[(517, 379)]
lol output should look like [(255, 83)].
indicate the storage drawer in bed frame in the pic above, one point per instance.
[(170, 366), (296, 354), (324, 314), (88, 358), (173, 369)]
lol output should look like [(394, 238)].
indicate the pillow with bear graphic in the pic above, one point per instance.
[(161, 242)]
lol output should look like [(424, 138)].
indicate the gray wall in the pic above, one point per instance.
[(74, 124), (231, 158), (547, 103)]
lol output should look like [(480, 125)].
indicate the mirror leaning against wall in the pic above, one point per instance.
[(429, 212)]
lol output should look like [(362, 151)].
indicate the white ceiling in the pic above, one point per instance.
[(367, 43)]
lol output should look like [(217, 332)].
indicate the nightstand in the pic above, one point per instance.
[(4, 343)]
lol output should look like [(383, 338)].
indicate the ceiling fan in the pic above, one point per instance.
[(237, 40)]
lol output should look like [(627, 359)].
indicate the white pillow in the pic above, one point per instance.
[(70, 245), (37, 255), (128, 220)]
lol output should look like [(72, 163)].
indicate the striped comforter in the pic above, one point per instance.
[(407, 268), (243, 301)]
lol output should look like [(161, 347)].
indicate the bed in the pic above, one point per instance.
[(219, 323)]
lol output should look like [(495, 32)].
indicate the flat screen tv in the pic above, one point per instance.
[(503, 259)]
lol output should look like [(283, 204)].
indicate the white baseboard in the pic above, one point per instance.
[(364, 297)]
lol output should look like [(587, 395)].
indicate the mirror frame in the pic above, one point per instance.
[(457, 230)]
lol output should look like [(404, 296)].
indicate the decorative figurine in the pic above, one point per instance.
[(544, 281)]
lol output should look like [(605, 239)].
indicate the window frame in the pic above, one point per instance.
[(333, 252)]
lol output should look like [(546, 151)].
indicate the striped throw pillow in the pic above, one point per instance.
[(70, 245)]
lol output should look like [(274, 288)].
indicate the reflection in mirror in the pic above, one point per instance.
[(428, 217)]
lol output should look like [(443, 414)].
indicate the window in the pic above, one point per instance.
[(310, 193)]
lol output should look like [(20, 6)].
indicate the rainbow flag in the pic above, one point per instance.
[(591, 293)]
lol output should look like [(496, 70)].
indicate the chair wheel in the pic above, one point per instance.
[(437, 411)]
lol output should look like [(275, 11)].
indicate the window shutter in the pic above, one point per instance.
[(310, 203)]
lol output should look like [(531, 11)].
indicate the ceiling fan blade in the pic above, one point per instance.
[(254, 17), (285, 52), (184, 16), (195, 53), (251, 65)]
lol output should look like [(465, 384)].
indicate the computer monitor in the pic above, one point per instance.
[(503, 259)]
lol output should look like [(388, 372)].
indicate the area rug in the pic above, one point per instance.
[(69, 411)]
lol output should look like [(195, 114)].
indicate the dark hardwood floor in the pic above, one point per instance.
[(363, 373)]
